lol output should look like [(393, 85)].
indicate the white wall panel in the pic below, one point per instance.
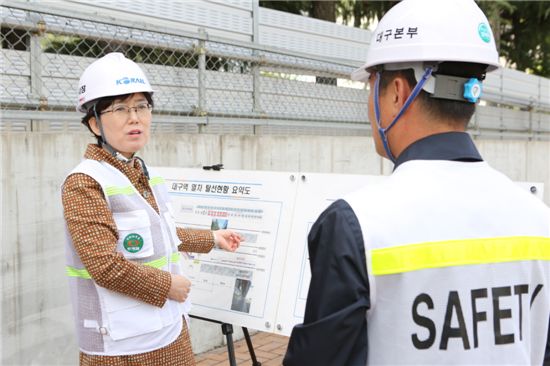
[(231, 19), (506, 156), (15, 89), (313, 36), (15, 62), (228, 102), (175, 99), (228, 81), (314, 44)]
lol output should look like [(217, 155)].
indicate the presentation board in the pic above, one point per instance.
[(315, 192), (264, 284), (239, 288)]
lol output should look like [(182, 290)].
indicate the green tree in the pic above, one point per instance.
[(325, 10), (362, 12), (522, 32), (294, 7)]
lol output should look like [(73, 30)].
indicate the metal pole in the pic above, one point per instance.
[(251, 348), (35, 60), (257, 104), (227, 330)]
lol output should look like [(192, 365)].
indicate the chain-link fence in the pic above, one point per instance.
[(44, 55), (208, 84)]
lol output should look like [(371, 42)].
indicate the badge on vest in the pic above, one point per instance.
[(133, 243)]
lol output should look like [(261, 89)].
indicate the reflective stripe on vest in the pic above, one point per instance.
[(128, 190), (156, 181), (406, 258), (157, 263)]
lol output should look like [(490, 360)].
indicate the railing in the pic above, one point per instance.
[(209, 83)]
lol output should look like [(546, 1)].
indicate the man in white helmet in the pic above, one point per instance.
[(128, 291), (447, 261)]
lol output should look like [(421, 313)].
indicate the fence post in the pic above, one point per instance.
[(256, 95), (201, 110), (35, 60)]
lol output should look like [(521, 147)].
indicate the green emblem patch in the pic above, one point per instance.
[(133, 243), (484, 32)]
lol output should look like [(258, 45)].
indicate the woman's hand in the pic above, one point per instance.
[(179, 288), (227, 239)]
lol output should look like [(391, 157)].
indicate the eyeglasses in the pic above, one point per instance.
[(123, 111)]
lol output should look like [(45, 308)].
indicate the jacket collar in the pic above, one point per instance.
[(454, 146), (95, 152)]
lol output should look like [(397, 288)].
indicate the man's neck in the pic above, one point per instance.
[(406, 132)]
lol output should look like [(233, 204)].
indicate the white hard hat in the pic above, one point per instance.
[(417, 31), (112, 74)]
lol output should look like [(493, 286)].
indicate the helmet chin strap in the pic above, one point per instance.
[(383, 132), (117, 155)]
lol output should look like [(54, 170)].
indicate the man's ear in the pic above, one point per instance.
[(401, 90), (93, 125)]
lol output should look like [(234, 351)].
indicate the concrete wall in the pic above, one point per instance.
[(37, 324)]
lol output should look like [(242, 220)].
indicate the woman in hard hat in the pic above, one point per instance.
[(129, 296)]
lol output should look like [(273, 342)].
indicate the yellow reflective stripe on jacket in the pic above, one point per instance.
[(73, 272), (113, 190), (175, 257), (157, 263), (406, 258), (156, 181)]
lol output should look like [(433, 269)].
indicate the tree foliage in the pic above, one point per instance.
[(362, 12), (325, 10), (521, 28), (522, 32)]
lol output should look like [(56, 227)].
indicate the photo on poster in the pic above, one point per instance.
[(219, 224), (240, 302)]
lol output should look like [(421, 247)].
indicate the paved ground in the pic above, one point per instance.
[(269, 349)]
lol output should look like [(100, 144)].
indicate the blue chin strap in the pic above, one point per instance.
[(383, 132)]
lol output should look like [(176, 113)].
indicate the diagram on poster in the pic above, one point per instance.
[(264, 284)]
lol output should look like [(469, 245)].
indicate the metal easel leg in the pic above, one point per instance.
[(250, 348), (227, 330)]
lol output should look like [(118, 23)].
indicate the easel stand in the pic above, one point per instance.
[(227, 330)]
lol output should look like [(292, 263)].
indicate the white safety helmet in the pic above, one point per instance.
[(416, 32), (111, 75)]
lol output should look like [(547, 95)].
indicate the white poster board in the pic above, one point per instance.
[(315, 193), (264, 284), (240, 288)]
